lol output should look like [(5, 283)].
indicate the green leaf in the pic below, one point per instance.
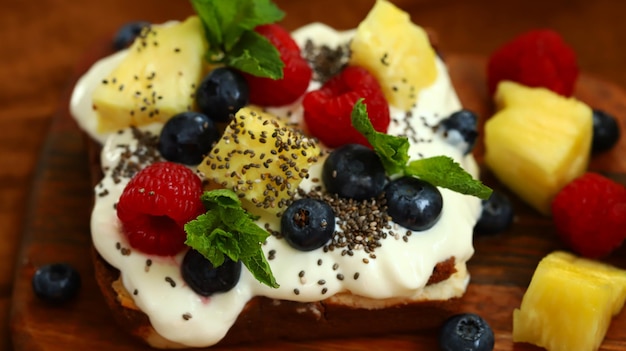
[(220, 198), (392, 150), (260, 269), (443, 171), (229, 30)]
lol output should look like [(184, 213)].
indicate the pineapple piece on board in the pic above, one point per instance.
[(569, 303), (537, 142), (156, 80)]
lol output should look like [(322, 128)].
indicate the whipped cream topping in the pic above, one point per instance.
[(399, 272)]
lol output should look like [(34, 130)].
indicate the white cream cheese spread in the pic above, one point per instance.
[(399, 273)]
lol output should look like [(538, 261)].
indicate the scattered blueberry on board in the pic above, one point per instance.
[(460, 130), (199, 273), (56, 282), (413, 203), (354, 171), (187, 137), (308, 224), (496, 216), (222, 93), (466, 332), (605, 131), (127, 34)]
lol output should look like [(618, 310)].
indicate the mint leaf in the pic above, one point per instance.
[(443, 171), (229, 30), (226, 229), (393, 151)]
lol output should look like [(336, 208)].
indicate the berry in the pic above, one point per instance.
[(496, 216), (308, 224), (156, 204), (296, 72), (222, 93), (353, 171), (57, 282), (187, 137), (205, 279), (605, 131), (413, 203), (467, 332), (460, 130), (538, 58), (127, 34), (589, 214), (328, 110)]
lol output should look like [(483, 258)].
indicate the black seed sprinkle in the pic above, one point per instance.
[(186, 316), (171, 281)]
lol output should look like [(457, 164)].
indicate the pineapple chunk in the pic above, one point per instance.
[(262, 159), (156, 80), (537, 142), (396, 51), (569, 303)]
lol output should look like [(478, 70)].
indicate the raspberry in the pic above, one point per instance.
[(327, 111), (538, 58), (296, 72), (156, 204), (590, 215)]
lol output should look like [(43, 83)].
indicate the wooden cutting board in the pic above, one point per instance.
[(58, 230)]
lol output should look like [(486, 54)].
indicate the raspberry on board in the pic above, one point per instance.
[(156, 204), (327, 111), (296, 72), (590, 215), (538, 58)]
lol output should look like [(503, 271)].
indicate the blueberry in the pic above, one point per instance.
[(57, 282), (413, 203), (199, 273), (354, 171), (460, 130), (496, 215), (467, 332), (308, 224), (222, 93), (187, 137), (605, 131), (127, 34)]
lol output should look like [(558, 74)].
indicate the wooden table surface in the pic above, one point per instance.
[(42, 41)]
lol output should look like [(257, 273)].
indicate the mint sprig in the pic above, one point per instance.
[(226, 229), (229, 29), (393, 151)]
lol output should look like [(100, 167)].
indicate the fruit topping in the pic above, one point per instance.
[(222, 93), (205, 279), (538, 58), (187, 137), (496, 215), (537, 142), (590, 215), (156, 204), (127, 34), (308, 224), (460, 130), (155, 80), (327, 111), (296, 72), (262, 159), (467, 332), (413, 203), (569, 303), (396, 51), (606, 131), (56, 282), (353, 171)]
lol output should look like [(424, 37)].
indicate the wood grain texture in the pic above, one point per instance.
[(501, 268)]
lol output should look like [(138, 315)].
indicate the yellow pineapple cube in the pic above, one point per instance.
[(156, 80), (537, 142), (262, 159), (569, 303), (396, 51)]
